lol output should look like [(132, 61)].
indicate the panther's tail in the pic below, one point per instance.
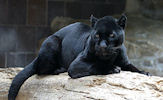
[(20, 78)]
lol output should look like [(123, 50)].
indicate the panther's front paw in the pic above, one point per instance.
[(115, 70), (145, 73)]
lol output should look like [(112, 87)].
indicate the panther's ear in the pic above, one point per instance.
[(93, 20), (122, 21)]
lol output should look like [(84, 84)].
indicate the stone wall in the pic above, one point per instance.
[(24, 22)]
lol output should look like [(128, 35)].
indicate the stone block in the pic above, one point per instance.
[(25, 39), (17, 12), (55, 8), (29, 58), (20, 60), (73, 9), (11, 60), (16, 59), (36, 12), (2, 59), (8, 36), (3, 12)]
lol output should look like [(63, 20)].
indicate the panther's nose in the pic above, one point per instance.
[(103, 44)]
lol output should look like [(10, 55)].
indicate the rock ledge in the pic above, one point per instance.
[(123, 86)]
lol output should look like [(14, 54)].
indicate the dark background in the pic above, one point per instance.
[(24, 22)]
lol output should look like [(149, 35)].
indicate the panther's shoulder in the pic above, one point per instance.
[(73, 29)]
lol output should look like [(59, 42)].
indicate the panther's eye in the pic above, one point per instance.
[(111, 35), (97, 36)]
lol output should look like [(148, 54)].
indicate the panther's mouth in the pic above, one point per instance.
[(105, 54)]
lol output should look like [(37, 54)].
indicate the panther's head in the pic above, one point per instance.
[(107, 35)]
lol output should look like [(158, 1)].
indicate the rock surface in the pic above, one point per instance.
[(123, 86), (151, 8), (6, 76)]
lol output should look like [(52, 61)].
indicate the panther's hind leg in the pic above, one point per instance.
[(49, 56)]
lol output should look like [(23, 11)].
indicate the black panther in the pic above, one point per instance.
[(81, 50)]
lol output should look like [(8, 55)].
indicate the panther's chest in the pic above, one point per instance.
[(102, 68), (110, 58)]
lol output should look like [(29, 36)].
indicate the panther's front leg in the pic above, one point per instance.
[(80, 68), (123, 62), (132, 68)]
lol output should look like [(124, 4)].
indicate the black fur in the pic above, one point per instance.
[(81, 50)]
